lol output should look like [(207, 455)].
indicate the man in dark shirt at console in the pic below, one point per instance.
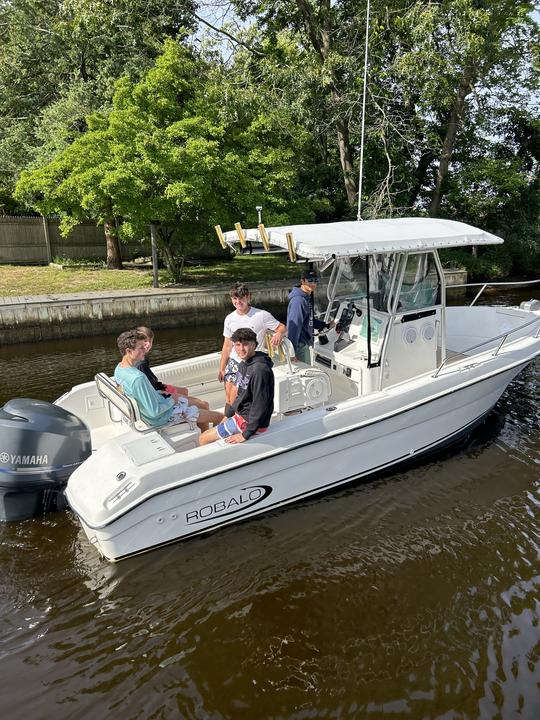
[(300, 319), (250, 413)]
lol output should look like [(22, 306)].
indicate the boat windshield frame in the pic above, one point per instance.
[(384, 272), (387, 273)]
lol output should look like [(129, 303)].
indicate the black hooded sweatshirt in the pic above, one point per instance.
[(255, 399)]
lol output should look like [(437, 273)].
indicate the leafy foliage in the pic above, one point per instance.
[(165, 155), (188, 140), (54, 53), (494, 263)]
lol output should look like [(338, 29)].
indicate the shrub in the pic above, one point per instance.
[(492, 263)]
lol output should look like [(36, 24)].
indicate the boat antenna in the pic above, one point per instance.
[(359, 216)]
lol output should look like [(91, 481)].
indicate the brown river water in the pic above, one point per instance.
[(416, 595)]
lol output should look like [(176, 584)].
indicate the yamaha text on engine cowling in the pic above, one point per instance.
[(40, 446)]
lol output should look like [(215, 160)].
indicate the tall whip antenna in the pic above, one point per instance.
[(359, 216)]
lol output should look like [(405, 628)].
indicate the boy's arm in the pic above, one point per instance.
[(225, 354), (148, 399)]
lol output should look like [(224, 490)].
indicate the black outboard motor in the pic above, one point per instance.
[(41, 444)]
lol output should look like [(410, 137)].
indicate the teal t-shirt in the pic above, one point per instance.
[(154, 408)]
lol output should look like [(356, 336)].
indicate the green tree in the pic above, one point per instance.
[(117, 171), (53, 51), (169, 155), (498, 187), (435, 70), (462, 62), (321, 30)]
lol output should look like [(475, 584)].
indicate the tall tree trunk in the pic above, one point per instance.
[(173, 262), (420, 176), (346, 158), (319, 26), (454, 121), (323, 148), (114, 258)]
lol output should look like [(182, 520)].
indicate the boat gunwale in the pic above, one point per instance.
[(502, 337), (329, 436)]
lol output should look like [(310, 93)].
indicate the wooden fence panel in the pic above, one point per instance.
[(23, 242)]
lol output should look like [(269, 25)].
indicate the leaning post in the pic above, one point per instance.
[(47, 239)]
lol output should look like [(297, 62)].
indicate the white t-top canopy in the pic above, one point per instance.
[(373, 236)]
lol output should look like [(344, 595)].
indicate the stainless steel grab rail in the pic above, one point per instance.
[(483, 286), (501, 337)]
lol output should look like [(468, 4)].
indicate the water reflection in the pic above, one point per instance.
[(47, 369)]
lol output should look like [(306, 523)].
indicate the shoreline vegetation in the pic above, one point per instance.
[(18, 280), (162, 133)]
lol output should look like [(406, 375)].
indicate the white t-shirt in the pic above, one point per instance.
[(258, 320)]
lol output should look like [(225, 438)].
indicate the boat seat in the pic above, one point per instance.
[(127, 409)]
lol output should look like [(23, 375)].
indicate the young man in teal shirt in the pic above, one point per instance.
[(155, 409)]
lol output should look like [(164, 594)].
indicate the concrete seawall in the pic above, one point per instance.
[(55, 317)]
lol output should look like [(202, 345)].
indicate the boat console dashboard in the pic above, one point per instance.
[(345, 349), (409, 341)]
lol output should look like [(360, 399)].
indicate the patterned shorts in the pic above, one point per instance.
[(231, 370), (182, 411), (234, 425)]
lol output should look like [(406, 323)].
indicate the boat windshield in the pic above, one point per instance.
[(348, 280), (421, 286)]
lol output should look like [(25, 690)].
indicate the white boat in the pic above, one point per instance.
[(399, 376)]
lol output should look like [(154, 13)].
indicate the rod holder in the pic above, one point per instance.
[(220, 235), (264, 237), (241, 234), (290, 245)]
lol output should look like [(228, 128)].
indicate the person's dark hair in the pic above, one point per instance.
[(239, 290), (146, 332), (310, 276), (128, 340), (244, 335)]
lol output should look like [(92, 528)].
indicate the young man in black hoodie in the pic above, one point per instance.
[(250, 413)]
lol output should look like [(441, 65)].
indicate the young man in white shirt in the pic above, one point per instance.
[(244, 316)]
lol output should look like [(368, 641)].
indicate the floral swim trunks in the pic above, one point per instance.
[(182, 411), (231, 370), (233, 425)]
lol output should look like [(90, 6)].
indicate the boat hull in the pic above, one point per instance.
[(315, 466)]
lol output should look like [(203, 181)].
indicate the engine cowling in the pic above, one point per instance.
[(41, 444)]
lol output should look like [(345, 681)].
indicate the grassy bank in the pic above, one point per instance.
[(32, 280)]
